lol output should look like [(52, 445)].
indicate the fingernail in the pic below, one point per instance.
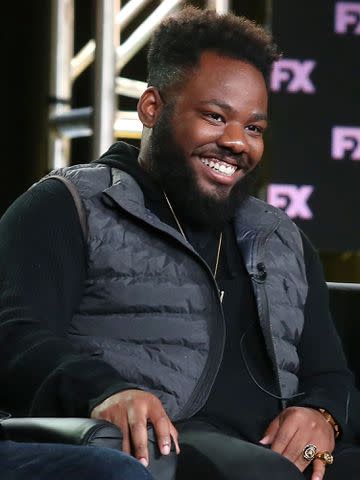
[(143, 461), (264, 441), (165, 449)]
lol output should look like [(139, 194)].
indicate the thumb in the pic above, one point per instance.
[(270, 432), (318, 470)]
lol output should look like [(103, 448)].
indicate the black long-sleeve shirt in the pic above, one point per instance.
[(42, 273)]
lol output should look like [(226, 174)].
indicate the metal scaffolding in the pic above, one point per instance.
[(103, 120)]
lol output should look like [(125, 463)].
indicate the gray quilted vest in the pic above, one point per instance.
[(150, 305)]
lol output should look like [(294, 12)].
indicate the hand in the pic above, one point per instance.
[(294, 428), (131, 410)]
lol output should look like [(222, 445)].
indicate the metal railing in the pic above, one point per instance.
[(345, 286), (103, 120)]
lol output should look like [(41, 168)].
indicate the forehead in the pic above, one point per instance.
[(224, 79)]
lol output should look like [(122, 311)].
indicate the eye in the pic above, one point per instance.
[(216, 117), (256, 129)]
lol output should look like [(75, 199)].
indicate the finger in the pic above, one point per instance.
[(283, 437), (162, 431), (298, 460), (125, 447), (175, 436), (294, 451), (270, 432), (139, 441), (318, 470), (301, 463)]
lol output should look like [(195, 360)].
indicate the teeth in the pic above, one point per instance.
[(223, 169), (219, 167)]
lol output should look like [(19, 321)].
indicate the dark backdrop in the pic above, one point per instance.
[(305, 116)]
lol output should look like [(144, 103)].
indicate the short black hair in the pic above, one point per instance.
[(180, 39)]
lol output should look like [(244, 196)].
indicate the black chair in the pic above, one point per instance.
[(75, 431), (84, 431)]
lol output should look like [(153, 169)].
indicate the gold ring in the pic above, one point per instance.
[(309, 452), (325, 457)]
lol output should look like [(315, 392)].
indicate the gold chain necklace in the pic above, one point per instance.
[(221, 292)]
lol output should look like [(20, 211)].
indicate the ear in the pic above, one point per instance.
[(149, 107)]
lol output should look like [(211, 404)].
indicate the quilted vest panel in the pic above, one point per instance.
[(272, 248), (149, 307)]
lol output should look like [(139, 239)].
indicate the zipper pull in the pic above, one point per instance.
[(221, 295)]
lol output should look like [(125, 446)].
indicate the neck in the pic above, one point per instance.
[(144, 154)]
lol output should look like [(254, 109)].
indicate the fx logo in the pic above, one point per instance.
[(292, 199), (295, 74), (345, 143), (347, 18)]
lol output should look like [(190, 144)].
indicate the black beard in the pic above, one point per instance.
[(168, 166)]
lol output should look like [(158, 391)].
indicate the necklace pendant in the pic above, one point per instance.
[(221, 294)]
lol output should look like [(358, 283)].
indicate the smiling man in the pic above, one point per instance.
[(206, 137), (149, 287)]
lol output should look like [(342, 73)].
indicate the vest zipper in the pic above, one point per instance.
[(259, 281), (198, 397)]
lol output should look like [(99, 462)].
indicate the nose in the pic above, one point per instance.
[(234, 138)]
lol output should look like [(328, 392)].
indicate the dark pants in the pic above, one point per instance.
[(25, 461), (207, 452)]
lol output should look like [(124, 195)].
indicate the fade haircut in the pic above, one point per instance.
[(181, 38)]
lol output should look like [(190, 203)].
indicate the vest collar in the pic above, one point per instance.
[(254, 222), (127, 194)]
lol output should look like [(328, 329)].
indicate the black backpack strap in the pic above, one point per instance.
[(77, 200)]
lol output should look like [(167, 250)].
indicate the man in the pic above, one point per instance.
[(151, 288)]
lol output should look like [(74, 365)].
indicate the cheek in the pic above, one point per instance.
[(192, 133), (257, 151)]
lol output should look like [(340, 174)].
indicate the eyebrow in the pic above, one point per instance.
[(256, 117), (259, 116)]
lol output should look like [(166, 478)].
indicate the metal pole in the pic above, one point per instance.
[(104, 101), (87, 54), (221, 6), (129, 88), (353, 287), (82, 59), (142, 34), (62, 49), (268, 15), (73, 123), (129, 11)]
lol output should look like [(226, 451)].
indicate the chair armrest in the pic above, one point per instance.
[(76, 431), (85, 431)]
